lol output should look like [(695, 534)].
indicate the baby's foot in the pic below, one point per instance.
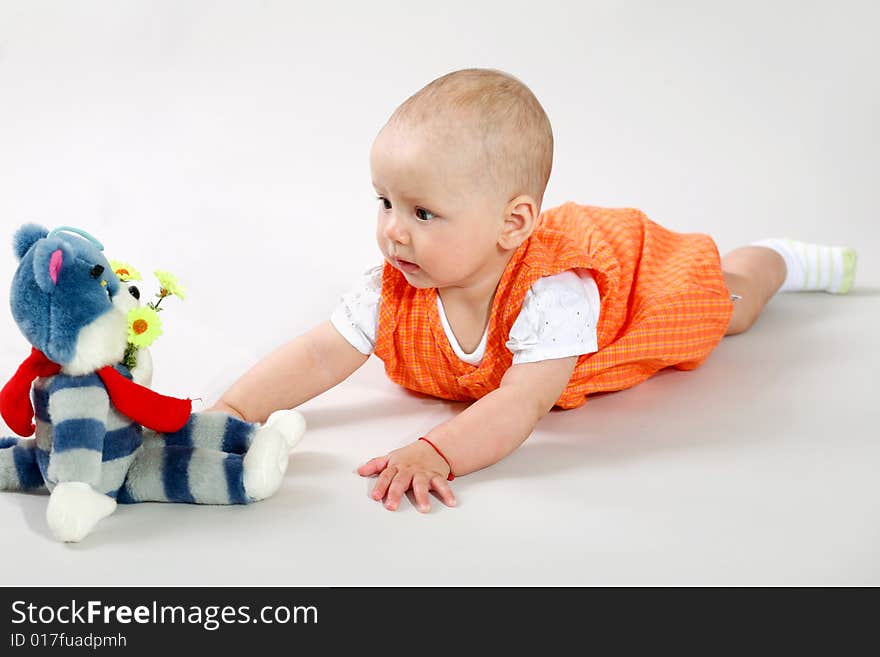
[(814, 266), (74, 510)]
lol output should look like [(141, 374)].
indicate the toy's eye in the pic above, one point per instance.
[(133, 291), (96, 271)]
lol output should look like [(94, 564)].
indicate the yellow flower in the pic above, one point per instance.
[(169, 284), (124, 271), (144, 326)]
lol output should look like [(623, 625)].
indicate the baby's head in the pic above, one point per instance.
[(460, 169)]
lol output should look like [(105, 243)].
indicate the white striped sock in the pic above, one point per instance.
[(814, 266)]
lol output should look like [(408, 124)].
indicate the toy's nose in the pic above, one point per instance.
[(96, 271), (133, 291)]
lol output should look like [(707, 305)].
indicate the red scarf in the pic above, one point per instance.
[(154, 411)]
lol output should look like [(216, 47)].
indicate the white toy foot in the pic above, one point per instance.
[(265, 463), (74, 510), (290, 423)]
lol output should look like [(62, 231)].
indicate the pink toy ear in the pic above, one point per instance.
[(55, 264)]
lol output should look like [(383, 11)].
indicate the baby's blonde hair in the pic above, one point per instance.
[(502, 112)]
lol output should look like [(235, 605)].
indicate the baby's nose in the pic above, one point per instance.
[(394, 231)]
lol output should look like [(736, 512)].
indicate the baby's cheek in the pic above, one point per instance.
[(465, 254)]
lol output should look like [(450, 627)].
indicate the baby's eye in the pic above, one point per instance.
[(424, 215), (385, 202)]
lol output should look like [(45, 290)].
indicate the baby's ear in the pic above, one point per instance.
[(50, 258), (520, 218), (25, 237)]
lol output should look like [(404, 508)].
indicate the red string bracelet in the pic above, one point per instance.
[(442, 456)]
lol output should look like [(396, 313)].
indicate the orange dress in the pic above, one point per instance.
[(664, 303)]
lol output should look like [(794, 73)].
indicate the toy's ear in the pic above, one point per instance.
[(50, 258), (25, 237)]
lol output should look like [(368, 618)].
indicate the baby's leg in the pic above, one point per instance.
[(753, 273), (18, 465), (758, 271)]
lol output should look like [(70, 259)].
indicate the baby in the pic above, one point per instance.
[(483, 298)]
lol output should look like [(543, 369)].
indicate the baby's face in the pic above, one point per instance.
[(439, 216)]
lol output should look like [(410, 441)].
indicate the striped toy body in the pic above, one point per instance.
[(81, 437)]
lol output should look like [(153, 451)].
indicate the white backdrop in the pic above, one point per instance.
[(228, 142)]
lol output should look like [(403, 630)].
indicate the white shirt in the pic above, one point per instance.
[(558, 318)]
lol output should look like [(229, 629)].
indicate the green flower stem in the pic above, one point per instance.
[(130, 357), (155, 306)]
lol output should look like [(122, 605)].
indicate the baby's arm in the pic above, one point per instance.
[(294, 373), (483, 434)]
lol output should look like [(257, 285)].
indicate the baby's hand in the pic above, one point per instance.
[(415, 466)]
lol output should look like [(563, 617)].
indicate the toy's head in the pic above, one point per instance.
[(67, 301)]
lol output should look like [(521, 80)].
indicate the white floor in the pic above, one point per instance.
[(228, 143), (758, 468)]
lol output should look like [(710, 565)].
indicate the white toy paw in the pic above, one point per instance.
[(290, 423), (74, 510), (265, 463)]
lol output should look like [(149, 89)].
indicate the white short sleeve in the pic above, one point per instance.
[(356, 316), (558, 318)]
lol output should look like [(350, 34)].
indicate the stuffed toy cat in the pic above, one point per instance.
[(102, 437)]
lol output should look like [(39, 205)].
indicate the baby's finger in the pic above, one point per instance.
[(420, 487), (396, 490), (383, 481), (442, 488), (373, 466)]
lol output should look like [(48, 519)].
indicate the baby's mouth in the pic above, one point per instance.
[(406, 266)]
